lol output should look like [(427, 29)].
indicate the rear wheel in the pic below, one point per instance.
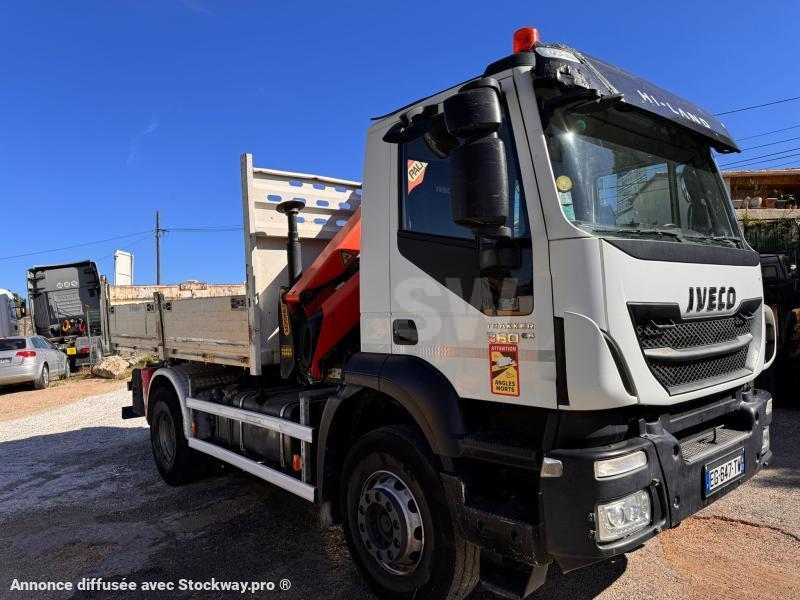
[(43, 381), (397, 522), (67, 370), (176, 462)]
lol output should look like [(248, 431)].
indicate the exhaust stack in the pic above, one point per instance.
[(294, 255)]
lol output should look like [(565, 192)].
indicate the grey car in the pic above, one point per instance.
[(31, 359)]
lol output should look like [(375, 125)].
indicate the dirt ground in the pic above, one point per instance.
[(80, 497), (701, 550), (21, 400)]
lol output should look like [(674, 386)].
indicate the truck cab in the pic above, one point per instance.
[(540, 332), (65, 308), (620, 295)]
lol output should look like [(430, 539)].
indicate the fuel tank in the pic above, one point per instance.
[(258, 442)]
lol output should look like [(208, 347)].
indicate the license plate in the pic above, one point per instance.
[(723, 471), (71, 351), (5, 361)]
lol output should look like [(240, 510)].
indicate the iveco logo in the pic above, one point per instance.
[(711, 298)]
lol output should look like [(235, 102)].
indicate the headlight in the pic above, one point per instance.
[(623, 517), (619, 465), (765, 441), (768, 409)]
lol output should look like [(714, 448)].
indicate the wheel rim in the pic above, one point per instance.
[(165, 430), (390, 524), (45, 376)]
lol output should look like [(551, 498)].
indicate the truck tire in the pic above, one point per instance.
[(176, 462), (397, 523), (43, 381)]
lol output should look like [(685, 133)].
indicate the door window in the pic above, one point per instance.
[(450, 253), (769, 272)]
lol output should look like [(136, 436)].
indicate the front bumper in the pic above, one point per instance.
[(673, 476), (19, 374)]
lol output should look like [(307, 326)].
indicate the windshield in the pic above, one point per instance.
[(621, 173)]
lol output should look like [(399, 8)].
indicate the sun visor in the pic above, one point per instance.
[(586, 71)]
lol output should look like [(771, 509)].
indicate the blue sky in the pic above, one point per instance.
[(111, 110)]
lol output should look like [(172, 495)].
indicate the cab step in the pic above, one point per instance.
[(499, 526), (511, 582)]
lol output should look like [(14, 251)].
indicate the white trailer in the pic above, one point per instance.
[(240, 330)]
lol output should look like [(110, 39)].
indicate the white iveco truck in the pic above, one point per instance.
[(533, 338)]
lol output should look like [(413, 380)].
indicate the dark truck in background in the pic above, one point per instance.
[(64, 303), (778, 244)]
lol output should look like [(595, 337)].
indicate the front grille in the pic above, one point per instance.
[(675, 374), (688, 334), (703, 340)]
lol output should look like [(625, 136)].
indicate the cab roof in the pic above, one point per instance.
[(573, 69)]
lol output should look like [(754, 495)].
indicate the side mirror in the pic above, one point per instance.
[(478, 176), (475, 110), (479, 186)]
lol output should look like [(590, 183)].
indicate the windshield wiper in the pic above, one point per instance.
[(712, 239), (659, 232), (728, 238)]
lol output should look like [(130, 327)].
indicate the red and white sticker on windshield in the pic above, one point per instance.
[(416, 173)]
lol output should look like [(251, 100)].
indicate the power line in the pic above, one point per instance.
[(755, 162), (788, 162), (771, 143), (203, 229), (147, 233), (119, 237), (750, 137), (743, 160), (736, 110), (794, 161), (128, 246)]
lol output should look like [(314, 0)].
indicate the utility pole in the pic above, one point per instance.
[(159, 232)]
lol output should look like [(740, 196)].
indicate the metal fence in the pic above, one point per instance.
[(781, 236)]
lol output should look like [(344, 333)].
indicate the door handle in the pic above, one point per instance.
[(404, 332)]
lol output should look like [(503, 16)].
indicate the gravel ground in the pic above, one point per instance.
[(80, 497)]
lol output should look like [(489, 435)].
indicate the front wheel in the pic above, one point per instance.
[(397, 523)]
